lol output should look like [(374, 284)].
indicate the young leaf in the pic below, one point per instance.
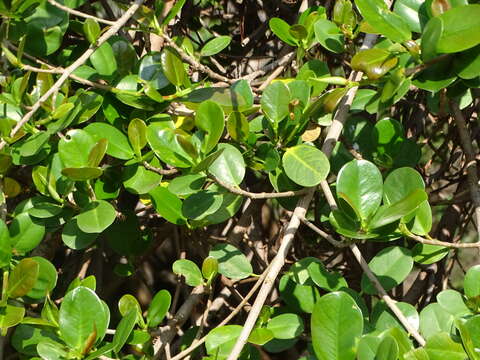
[(209, 118), (231, 262), (189, 270), (281, 29), (215, 45), (158, 308), (23, 278), (96, 217)]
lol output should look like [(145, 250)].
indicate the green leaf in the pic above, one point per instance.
[(139, 180), (91, 30), (150, 70), (209, 118), (359, 182), (103, 60), (300, 298), (231, 262), (188, 269), (23, 278), (229, 167), (187, 184), (391, 266), (260, 336), (441, 347), (34, 144), (97, 153), (274, 102), (75, 147), (137, 135), (215, 45), (434, 320), (118, 145), (209, 268), (238, 126), (26, 337), (428, 254), (25, 234), (383, 21), (96, 217), (10, 316), (158, 308), (336, 325), (77, 324), (430, 36), (374, 62), (167, 205), (201, 204), (387, 349), (44, 210), (382, 318), (51, 350), (459, 29), (220, 341), (452, 302), (124, 329), (128, 303), (412, 12), (467, 63), (329, 36), (173, 67), (75, 238), (5, 245), (471, 282), (82, 173), (286, 326), (282, 30), (46, 280), (164, 141), (387, 214), (305, 165)]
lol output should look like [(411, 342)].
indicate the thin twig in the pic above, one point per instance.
[(442, 243), (383, 294), (225, 321), (472, 169), (323, 234), (260, 195), (69, 70), (165, 172), (299, 213), (80, 14)]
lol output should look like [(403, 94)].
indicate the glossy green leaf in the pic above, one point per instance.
[(430, 36), (91, 30), (387, 349), (329, 36), (46, 280), (138, 180), (215, 45), (150, 70), (382, 20), (229, 167), (118, 145), (83, 173), (201, 204), (274, 102), (167, 205), (336, 325), (286, 326), (374, 62), (412, 12), (165, 142), (467, 63), (382, 318), (97, 153), (441, 346), (51, 350), (188, 269), (75, 147), (172, 67), (45, 210), (391, 266), (103, 60), (209, 268), (129, 303), (300, 298), (453, 302), (459, 25), (5, 245), (137, 135), (34, 144), (231, 262), (209, 118), (360, 183), (124, 329), (23, 278), (238, 126), (11, 315), (75, 238), (471, 282), (281, 29), (434, 320), (76, 324), (220, 340), (26, 337), (305, 165), (187, 184), (158, 308), (25, 234), (96, 217), (260, 336)]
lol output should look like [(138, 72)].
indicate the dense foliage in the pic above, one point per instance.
[(163, 162)]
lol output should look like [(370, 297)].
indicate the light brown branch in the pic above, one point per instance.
[(323, 234), (76, 64), (442, 243), (165, 172), (261, 195), (80, 14)]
